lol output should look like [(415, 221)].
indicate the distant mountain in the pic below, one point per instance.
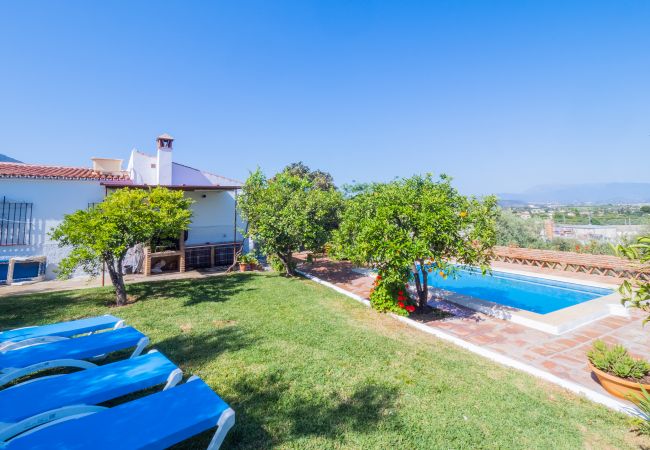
[(591, 193), (5, 158)]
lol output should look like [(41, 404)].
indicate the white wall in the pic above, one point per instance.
[(164, 167), (213, 217), (52, 199), (140, 168)]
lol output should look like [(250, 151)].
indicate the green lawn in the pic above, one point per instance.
[(305, 367)]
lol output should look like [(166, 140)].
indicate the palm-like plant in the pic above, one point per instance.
[(636, 293)]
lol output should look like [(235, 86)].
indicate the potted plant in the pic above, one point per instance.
[(253, 263), (243, 263), (247, 262), (618, 372)]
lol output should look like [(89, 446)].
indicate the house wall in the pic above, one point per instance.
[(212, 221), (51, 199), (213, 217), (140, 168)]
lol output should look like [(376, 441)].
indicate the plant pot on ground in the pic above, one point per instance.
[(247, 262), (618, 372)]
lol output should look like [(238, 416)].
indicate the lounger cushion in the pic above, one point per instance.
[(155, 421), (79, 348), (65, 329), (86, 387)]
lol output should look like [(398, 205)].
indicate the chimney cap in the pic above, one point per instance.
[(165, 136)]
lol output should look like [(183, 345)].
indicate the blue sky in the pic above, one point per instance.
[(502, 95)]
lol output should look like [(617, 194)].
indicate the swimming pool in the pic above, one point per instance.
[(538, 295)]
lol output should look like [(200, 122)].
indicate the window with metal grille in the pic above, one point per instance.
[(15, 223), (224, 256), (201, 256), (196, 258)]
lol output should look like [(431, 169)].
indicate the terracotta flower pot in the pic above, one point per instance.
[(243, 267), (619, 387)]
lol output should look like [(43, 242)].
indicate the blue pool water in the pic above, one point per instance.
[(518, 291)]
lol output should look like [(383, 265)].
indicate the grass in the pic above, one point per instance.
[(305, 367)]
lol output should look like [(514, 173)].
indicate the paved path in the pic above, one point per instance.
[(563, 356), (84, 283)]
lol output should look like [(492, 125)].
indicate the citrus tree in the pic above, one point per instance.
[(410, 227), (288, 213), (320, 179), (104, 233), (636, 293)]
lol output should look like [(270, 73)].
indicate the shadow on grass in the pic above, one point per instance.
[(271, 413), (32, 309), (194, 291), (194, 349), (49, 307)]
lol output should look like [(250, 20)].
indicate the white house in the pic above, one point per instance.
[(35, 198)]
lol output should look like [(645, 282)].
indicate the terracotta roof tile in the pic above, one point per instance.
[(12, 170)]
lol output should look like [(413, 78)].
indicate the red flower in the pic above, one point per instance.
[(401, 305), (400, 293), (410, 308)]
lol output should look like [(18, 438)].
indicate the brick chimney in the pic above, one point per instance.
[(164, 163)]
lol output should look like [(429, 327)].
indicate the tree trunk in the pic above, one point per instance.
[(118, 281), (287, 260), (424, 295), (418, 286), (421, 286)]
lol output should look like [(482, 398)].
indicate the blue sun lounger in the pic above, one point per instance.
[(156, 421), (21, 337), (50, 399), (68, 353)]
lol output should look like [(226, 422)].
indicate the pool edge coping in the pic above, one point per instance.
[(559, 278), (576, 388), (555, 322)]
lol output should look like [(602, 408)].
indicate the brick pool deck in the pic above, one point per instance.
[(563, 355)]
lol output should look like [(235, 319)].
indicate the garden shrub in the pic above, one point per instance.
[(277, 265), (389, 294), (636, 293), (643, 403)]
